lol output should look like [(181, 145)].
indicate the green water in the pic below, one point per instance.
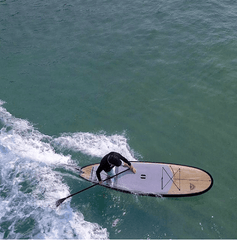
[(154, 79)]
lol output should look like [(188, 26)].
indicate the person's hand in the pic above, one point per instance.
[(126, 165), (133, 169)]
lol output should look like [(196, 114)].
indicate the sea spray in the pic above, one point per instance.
[(96, 145), (30, 186)]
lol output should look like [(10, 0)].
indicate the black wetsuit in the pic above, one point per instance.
[(111, 158)]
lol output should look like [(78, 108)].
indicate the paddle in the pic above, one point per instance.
[(63, 199)]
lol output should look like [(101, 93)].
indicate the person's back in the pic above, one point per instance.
[(109, 161)]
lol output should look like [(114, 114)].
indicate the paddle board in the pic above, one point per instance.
[(154, 179)]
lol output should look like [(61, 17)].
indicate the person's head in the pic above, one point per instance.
[(115, 162)]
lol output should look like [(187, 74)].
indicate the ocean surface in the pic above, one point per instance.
[(153, 80)]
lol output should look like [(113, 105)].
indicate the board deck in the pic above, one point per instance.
[(154, 179)]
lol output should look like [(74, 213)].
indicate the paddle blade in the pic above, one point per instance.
[(60, 201)]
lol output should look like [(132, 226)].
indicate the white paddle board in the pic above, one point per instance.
[(154, 179)]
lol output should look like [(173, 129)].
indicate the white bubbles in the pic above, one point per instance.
[(96, 145), (30, 186)]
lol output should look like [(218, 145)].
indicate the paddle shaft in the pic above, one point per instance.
[(63, 199)]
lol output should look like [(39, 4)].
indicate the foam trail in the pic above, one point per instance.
[(96, 145), (29, 186)]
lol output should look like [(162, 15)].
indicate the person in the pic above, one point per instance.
[(110, 160)]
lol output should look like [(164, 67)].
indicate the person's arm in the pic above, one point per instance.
[(124, 159), (127, 163), (101, 167), (133, 169), (98, 171)]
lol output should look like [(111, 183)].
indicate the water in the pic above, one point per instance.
[(155, 81)]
